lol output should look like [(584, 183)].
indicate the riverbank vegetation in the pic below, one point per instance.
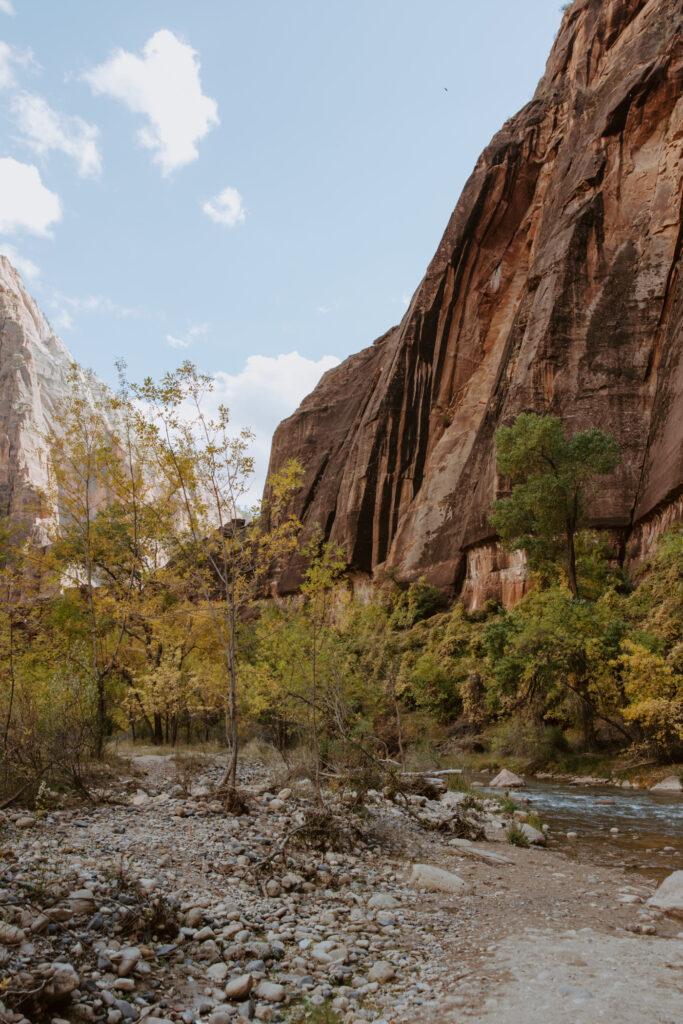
[(145, 615)]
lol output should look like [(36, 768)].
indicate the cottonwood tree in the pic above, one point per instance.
[(299, 676), (87, 475), (320, 584), (554, 480), (227, 561)]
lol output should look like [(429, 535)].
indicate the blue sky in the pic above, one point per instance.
[(236, 182)]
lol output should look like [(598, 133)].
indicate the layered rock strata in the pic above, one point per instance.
[(556, 288), (34, 368)]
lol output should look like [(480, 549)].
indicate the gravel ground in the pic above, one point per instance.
[(159, 906)]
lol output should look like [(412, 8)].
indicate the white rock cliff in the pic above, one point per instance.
[(34, 368)]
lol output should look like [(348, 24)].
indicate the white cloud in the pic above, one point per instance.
[(268, 389), (163, 84), (193, 332), (68, 306), (326, 308), (98, 304), (63, 320), (25, 203), (177, 342), (6, 61), (227, 208), (29, 270), (10, 57), (6, 7), (45, 129)]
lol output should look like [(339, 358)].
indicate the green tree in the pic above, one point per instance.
[(553, 483), (87, 476), (319, 589), (228, 562), (549, 657)]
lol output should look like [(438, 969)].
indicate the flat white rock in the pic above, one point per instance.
[(426, 876), (506, 780), (383, 901), (671, 785), (669, 896), (535, 837)]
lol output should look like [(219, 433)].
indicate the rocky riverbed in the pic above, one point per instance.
[(157, 905)]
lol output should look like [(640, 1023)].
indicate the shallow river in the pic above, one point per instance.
[(650, 836)]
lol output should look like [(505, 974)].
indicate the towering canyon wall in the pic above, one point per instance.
[(34, 367), (557, 287)]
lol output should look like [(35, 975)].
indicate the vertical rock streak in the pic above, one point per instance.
[(555, 288)]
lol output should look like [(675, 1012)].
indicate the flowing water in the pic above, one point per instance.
[(650, 836)]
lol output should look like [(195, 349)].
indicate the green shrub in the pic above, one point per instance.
[(507, 804), (528, 741), (516, 837), (420, 601), (458, 783)]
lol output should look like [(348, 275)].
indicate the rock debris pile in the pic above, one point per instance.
[(160, 906)]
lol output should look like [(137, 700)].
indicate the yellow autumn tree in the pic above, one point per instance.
[(654, 691), (226, 559)]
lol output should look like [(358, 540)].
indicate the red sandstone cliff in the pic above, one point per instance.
[(557, 287)]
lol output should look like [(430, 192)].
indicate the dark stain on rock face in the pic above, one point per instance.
[(555, 289)]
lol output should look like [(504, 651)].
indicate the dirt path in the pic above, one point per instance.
[(546, 939)]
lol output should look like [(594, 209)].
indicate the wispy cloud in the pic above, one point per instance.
[(325, 308), (227, 208), (68, 307), (177, 342), (164, 86), (193, 332), (29, 270), (12, 57), (6, 7), (62, 320), (45, 129)]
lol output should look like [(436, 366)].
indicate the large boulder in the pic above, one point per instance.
[(426, 876), (672, 784), (507, 780), (535, 837), (669, 896)]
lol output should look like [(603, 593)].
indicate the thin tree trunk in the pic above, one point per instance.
[(399, 731), (99, 740), (229, 780), (314, 719), (571, 565), (11, 693)]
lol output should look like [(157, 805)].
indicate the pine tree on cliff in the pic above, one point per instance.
[(553, 482)]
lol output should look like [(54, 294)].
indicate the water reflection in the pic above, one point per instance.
[(650, 836)]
